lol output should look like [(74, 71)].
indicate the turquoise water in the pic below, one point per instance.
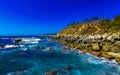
[(27, 60)]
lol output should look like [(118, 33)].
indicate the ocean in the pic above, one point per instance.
[(38, 55)]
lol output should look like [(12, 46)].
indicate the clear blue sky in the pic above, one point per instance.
[(28, 17)]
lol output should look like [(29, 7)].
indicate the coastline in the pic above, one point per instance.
[(101, 45)]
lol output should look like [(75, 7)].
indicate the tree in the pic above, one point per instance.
[(117, 18), (73, 24), (95, 18)]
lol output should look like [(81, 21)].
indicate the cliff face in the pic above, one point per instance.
[(101, 38), (83, 29), (91, 28)]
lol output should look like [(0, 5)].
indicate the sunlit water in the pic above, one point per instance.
[(27, 60)]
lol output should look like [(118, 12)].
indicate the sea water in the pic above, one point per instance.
[(28, 60)]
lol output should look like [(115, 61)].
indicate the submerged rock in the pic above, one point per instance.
[(52, 72), (87, 61), (68, 68), (40, 48), (50, 49)]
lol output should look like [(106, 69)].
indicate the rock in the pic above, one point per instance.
[(63, 72), (84, 51), (96, 44), (26, 40), (78, 47), (50, 49), (21, 71), (116, 36), (105, 48), (2, 46), (114, 49), (114, 55), (109, 38), (40, 48), (17, 40), (52, 72), (87, 61), (117, 43), (97, 37), (118, 61), (106, 55), (95, 53), (95, 47), (104, 36), (66, 48), (68, 68)]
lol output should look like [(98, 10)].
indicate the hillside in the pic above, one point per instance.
[(96, 27), (100, 38)]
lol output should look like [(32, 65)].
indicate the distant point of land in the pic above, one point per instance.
[(47, 34)]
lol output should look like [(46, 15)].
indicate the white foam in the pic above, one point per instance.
[(24, 49), (4, 38), (29, 40), (10, 46)]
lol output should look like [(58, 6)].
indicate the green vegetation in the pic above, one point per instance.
[(73, 24), (106, 24), (114, 24)]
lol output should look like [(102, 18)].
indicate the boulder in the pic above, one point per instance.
[(17, 40), (104, 36), (118, 61), (95, 47), (105, 48), (104, 54), (78, 47), (117, 43), (95, 53), (109, 38), (114, 55), (116, 36)]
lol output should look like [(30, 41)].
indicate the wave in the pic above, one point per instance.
[(27, 40)]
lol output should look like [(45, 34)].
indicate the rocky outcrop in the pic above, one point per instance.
[(102, 45)]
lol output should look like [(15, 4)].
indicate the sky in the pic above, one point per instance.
[(33, 17)]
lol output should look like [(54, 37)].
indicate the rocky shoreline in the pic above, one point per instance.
[(102, 45)]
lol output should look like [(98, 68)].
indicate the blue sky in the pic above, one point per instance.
[(31, 17)]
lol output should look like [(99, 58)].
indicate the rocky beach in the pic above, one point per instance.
[(100, 38)]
